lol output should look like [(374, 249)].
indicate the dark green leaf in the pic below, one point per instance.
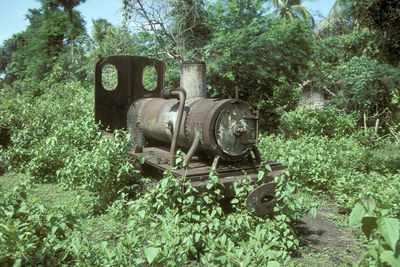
[(368, 225)]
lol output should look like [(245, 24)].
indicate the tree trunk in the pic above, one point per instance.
[(365, 122)]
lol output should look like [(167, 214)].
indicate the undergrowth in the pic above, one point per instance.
[(53, 139)]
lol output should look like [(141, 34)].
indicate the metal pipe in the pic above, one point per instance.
[(257, 154), (192, 150), (181, 95)]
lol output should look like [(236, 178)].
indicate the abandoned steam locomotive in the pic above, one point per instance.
[(217, 134)]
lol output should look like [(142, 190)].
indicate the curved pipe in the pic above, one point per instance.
[(192, 150), (180, 94)]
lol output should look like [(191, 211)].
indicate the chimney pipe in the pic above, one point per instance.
[(193, 79)]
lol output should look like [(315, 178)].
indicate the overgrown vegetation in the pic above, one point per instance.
[(348, 151)]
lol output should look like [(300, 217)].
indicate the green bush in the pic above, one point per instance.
[(326, 122), (54, 139), (317, 161), (176, 225), (362, 84), (30, 234), (353, 186), (265, 57), (342, 167), (45, 125), (106, 169), (382, 230)]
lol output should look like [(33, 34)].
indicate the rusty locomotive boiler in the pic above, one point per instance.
[(217, 135)]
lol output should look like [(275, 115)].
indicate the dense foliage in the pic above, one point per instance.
[(30, 234), (348, 151)]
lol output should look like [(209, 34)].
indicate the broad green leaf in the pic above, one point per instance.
[(268, 168), (356, 214), (103, 245), (209, 185), (313, 212), (390, 228), (190, 199), (260, 175), (388, 257), (368, 225), (273, 264), (223, 239), (373, 252), (151, 253), (141, 214), (17, 263), (369, 205)]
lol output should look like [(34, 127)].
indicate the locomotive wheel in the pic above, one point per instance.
[(262, 200)]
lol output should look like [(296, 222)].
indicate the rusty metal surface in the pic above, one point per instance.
[(199, 170), (208, 117), (111, 107), (262, 200), (226, 127), (219, 133), (137, 136), (235, 129)]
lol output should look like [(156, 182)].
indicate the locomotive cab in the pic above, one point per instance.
[(217, 135)]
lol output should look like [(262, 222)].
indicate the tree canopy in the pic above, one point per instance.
[(292, 9)]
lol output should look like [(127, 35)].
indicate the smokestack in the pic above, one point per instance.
[(193, 79)]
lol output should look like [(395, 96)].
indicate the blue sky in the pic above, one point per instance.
[(12, 13)]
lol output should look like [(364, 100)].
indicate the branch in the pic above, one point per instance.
[(153, 28), (395, 136), (378, 114), (329, 91)]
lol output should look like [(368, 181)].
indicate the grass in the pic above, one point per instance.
[(95, 227), (310, 258), (389, 155), (52, 195), (9, 180)]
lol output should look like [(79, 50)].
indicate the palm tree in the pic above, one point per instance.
[(100, 29), (292, 9)]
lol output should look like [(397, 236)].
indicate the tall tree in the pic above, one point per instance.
[(382, 18), (46, 40), (292, 9), (177, 26), (265, 57), (100, 29)]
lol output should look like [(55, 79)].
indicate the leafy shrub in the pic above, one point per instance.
[(176, 225), (317, 161), (30, 234), (383, 230), (48, 124), (54, 139), (106, 169), (342, 167), (326, 122), (265, 57), (364, 85), (353, 186)]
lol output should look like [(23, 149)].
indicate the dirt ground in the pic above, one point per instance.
[(327, 238)]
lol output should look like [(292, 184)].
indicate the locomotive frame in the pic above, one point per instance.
[(119, 109)]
